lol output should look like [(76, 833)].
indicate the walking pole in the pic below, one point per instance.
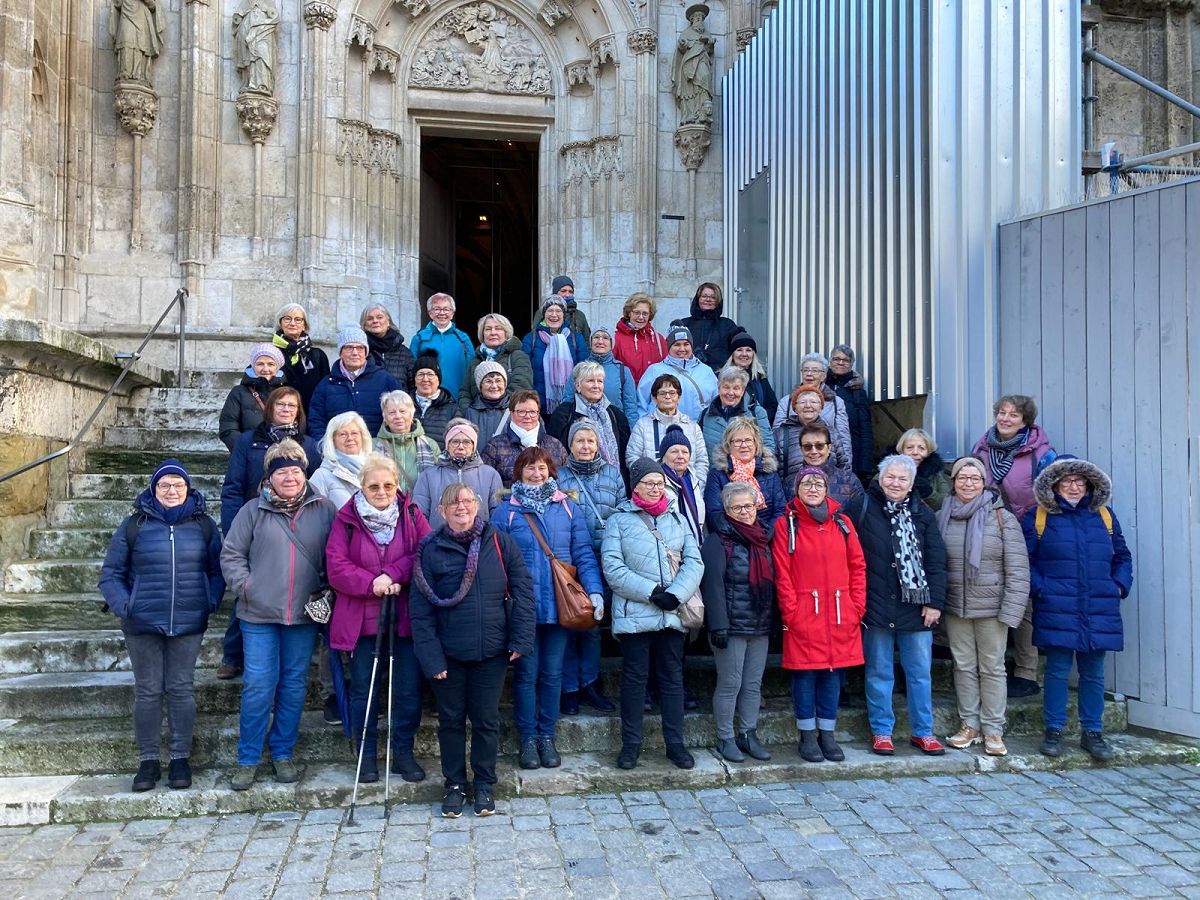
[(387, 772), (362, 741)]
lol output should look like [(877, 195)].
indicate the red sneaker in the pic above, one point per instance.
[(882, 744), (928, 745)]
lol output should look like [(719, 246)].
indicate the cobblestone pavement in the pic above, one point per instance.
[(1134, 832)]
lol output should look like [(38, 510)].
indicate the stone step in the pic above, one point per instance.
[(116, 460), (34, 612), (107, 797), (94, 650), (90, 513), (126, 487), (51, 576), (170, 418), (169, 442), (59, 543), (208, 397)]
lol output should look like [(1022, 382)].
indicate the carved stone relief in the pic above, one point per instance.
[(744, 37), (580, 72), (319, 14), (136, 107), (604, 50), (362, 33), (642, 40), (373, 149), (414, 7), (553, 12), (381, 59), (593, 159), (692, 142), (257, 113)]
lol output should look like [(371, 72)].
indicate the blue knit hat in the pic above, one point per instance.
[(170, 467)]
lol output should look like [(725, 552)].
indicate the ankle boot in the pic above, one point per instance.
[(748, 742), (810, 750), (730, 750), (148, 773), (529, 758), (548, 753), (829, 747), (679, 755), (628, 757)]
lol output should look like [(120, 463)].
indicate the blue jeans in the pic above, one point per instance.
[(581, 660), (815, 696), (406, 693), (537, 685), (1091, 687), (916, 656), (275, 679)]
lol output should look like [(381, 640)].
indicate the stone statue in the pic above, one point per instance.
[(255, 29), (692, 74), (138, 29)]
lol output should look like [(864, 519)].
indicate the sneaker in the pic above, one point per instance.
[(179, 774), (1022, 687), (243, 777), (628, 757), (1052, 742), (333, 715), (528, 757), (1093, 742), (286, 771), (882, 744), (485, 803), (965, 737), (993, 745), (148, 773), (678, 754), (453, 800), (929, 745), (226, 671), (548, 753), (568, 703), (592, 696), (404, 765)]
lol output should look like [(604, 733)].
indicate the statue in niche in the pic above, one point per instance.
[(138, 29), (255, 31), (692, 74)]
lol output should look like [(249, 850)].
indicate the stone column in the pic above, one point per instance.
[(692, 142), (136, 105), (319, 17), (643, 43)]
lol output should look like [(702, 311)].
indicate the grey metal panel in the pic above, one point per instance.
[(1192, 372)]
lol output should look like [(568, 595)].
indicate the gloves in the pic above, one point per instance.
[(597, 606), (719, 638), (664, 600)]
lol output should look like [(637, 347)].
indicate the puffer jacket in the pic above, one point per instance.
[(711, 333), (170, 580), (565, 529), (501, 451), (495, 616), (568, 414), (535, 349), (1078, 573), (725, 586), (821, 582), (453, 348), (933, 482), (476, 474), (354, 560), (836, 419), (1016, 490), (397, 359), (516, 363), (335, 482), (620, 387), (600, 493), (885, 609), (791, 455), (489, 416), (647, 434), (638, 349), (1001, 591), (244, 473), (243, 409), (760, 390), (337, 394), (437, 416), (852, 389), (271, 577), (635, 563), (766, 473), (698, 381), (716, 418)]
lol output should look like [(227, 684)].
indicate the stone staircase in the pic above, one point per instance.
[(66, 751)]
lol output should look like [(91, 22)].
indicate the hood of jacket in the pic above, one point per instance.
[(605, 359), (714, 313), (765, 463), (851, 380), (260, 384), (930, 465), (474, 461), (1100, 484), (417, 430), (744, 408), (482, 403)]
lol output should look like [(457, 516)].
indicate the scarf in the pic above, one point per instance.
[(352, 375), (744, 471), (456, 462), (1001, 453), (297, 352), (378, 345), (381, 523), (976, 513), (585, 468), (470, 537), (349, 462), (762, 570), (280, 432), (557, 364), (535, 497), (286, 506), (423, 402), (910, 565), (687, 492), (527, 438), (597, 414), (490, 352), (655, 509), (819, 513), (410, 454)]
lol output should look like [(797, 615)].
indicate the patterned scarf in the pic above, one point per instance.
[(380, 522), (286, 506), (297, 352), (423, 402), (762, 570), (489, 352), (456, 462), (279, 432), (557, 364), (1001, 453), (535, 497), (410, 454), (976, 514), (910, 564), (744, 471), (597, 414), (687, 493), (470, 537)]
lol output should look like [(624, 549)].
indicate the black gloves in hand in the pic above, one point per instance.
[(664, 600), (719, 638)]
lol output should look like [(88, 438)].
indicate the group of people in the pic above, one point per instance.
[(435, 488)]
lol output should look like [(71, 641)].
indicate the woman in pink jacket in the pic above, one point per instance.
[(369, 558)]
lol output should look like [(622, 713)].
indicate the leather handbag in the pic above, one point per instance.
[(575, 609)]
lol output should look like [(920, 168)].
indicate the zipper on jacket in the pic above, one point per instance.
[(837, 602), (171, 621), (816, 603)]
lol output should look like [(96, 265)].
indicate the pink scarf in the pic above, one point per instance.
[(655, 509), (744, 471)]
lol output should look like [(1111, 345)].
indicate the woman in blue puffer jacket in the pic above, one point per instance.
[(1080, 569), (162, 578)]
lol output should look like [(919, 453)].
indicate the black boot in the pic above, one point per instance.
[(148, 773), (407, 767), (810, 750), (748, 742), (548, 753), (829, 747), (179, 774), (568, 703), (529, 758), (591, 696), (1052, 742), (1093, 742), (678, 754), (628, 757)]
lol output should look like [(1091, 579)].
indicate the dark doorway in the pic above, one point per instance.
[(479, 227)]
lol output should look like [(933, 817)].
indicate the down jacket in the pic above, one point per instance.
[(852, 389), (454, 351), (244, 473), (338, 394), (516, 363), (600, 493), (885, 609), (565, 529), (427, 493), (766, 473), (1078, 572), (638, 349), (728, 604), (243, 409), (647, 434), (822, 588), (501, 451), (354, 560), (635, 563), (495, 616), (535, 349), (620, 386), (698, 381), (1016, 490), (489, 416), (711, 333), (791, 456), (397, 359), (170, 580), (1002, 589), (715, 418), (436, 416)]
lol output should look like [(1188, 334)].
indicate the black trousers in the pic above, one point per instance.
[(470, 690), (666, 646)]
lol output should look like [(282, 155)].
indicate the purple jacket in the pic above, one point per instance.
[(353, 561), (1017, 488)]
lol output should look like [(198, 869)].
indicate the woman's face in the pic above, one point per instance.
[(553, 316), (287, 482), (353, 356), (896, 482), (731, 393), (1072, 488), (292, 325), (601, 343), (808, 407), (708, 297), (678, 457), (170, 491), (840, 363), (811, 490), (493, 334), (744, 357), (399, 418), (536, 473), (1008, 421), (525, 415), (815, 449), (377, 323), (461, 511), (265, 367), (639, 316), (493, 386), (812, 373), (742, 508), (591, 388), (460, 446), (585, 445), (427, 382), (916, 448), (379, 487), (284, 410), (442, 313), (742, 445), (651, 487), (666, 398), (968, 483), (348, 439)]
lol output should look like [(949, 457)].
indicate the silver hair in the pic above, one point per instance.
[(737, 489), (336, 424), (500, 320), (375, 462), (844, 348), (288, 308), (370, 308), (814, 357), (586, 369), (440, 296), (396, 398), (899, 459), (734, 373)]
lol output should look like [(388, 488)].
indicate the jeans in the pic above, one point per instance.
[(470, 690), (581, 660), (231, 646), (815, 696), (977, 646), (916, 656), (1091, 687), (406, 693), (275, 679), (739, 683), (163, 665), (666, 646), (537, 685)]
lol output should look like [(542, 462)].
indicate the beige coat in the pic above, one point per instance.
[(1002, 589)]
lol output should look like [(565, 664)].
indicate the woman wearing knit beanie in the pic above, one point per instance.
[(488, 409), (243, 409)]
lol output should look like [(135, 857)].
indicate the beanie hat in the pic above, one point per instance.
[(812, 470), (428, 360), (351, 334), (170, 467), (742, 339), (581, 425), (458, 426), (560, 282), (603, 330), (554, 300), (674, 436), (679, 333), (643, 467), (964, 462), (486, 368), (811, 388), (266, 350)]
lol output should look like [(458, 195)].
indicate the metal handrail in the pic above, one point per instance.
[(180, 297)]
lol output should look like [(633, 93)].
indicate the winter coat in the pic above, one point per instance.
[(711, 333), (337, 394), (170, 579), (648, 433), (600, 493), (495, 616), (354, 560), (294, 373), (834, 415), (763, 394), (244, 473), (766, 472), (725, 586), (715, 418), (565, 529), (437, 416), (635, 563), (535, 349), (489, 416), (501, 451), (1078, 572), (885, 609), (516, 363), (397, 360), (620, 387), (791, 460), (335, 482), (271, 577), (567, 414), (418, 451), (243, 409), (852, 390), (933, 481), (1001, 591), (698, 381), (1017, 490), (454, 351), (476, 474), (638, 350), (822, 588)]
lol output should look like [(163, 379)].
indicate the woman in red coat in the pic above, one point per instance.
[(821, 584)]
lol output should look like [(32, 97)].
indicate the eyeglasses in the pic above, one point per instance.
[(811, 484), (811, 370), (742, 441), (170, 487), (375, 487), (667, 392), (839, 359), (525, 413), (652, 485), (279, 404), (742, 508), (425, 374), (441, 309), (291, 320), (813, 446), (1073, 481), (460, 442), (354, 348), (968, 479), (470, 501)]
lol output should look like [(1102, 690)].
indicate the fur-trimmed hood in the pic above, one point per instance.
[(1043, 486), (767, 463)]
